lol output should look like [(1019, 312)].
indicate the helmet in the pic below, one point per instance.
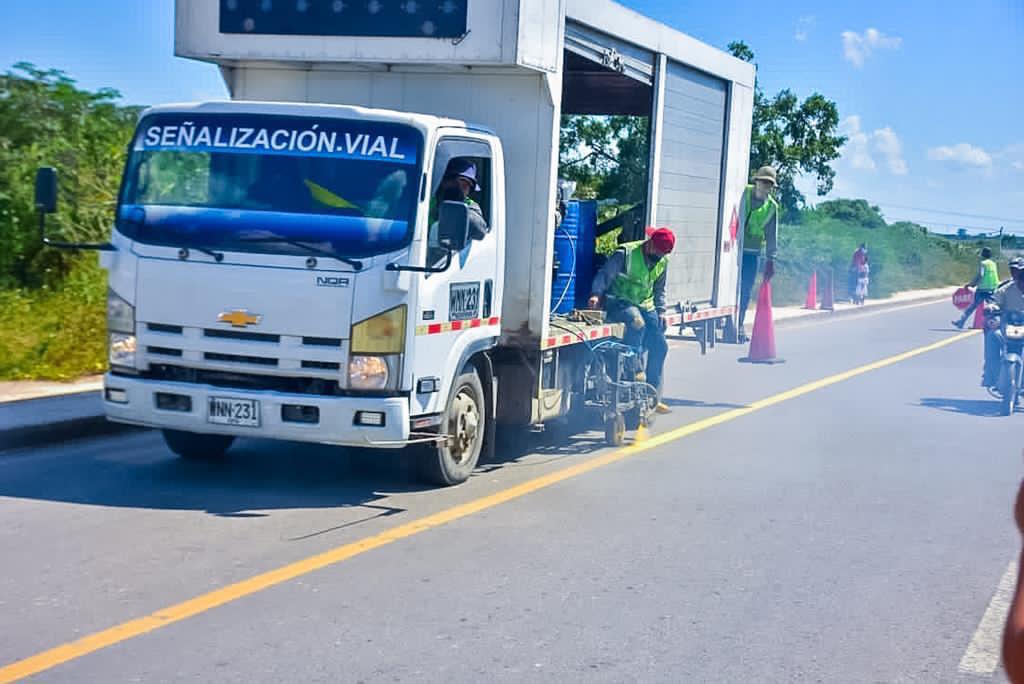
[(1017, 263)]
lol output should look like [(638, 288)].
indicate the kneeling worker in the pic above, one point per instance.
[(632, 283)]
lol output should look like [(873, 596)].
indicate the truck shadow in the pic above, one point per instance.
[(985, 408), (253, 478), (556, 442)]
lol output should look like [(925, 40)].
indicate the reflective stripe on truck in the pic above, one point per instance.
[(701, 315), (455, 326)]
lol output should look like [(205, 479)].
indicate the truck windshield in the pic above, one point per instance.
[(265, 183)]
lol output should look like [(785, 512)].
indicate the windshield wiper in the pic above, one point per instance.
[(354, 263), (217, 256)]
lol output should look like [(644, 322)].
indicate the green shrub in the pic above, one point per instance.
[(55, 332), (903, 256), (46, 121)]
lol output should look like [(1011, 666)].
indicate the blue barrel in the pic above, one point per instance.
[(587, 230), (574, 257)]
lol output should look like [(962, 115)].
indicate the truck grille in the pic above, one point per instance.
[(244, 381), (268, 360)]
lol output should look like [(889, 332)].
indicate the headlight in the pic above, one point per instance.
[(122, 350), (368, 373), (120, 314)]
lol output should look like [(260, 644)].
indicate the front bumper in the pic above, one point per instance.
[(337, 423)]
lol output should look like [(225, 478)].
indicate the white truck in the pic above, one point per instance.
[(281, 266)]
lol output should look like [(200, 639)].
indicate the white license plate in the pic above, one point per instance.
[(228, 411)]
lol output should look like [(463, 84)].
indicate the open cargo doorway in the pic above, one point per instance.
[(605, 160)]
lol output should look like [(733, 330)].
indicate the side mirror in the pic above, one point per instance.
[(453, 226), (46, 189)]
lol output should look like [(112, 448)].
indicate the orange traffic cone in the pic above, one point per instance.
[(979, 318), (762, 340), (812, 292), (828, 293)]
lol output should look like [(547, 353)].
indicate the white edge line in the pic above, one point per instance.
[(982, 654)]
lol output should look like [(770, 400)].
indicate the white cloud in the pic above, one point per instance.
[(963, 154), (888, 144), (857, 47), (862, 147), (1014, 156), (856, 148), (804, 27)]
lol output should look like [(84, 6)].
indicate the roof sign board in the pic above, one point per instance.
[(373, 18)]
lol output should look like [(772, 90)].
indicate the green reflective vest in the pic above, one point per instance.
[(756, 220), (636, 282), (435, 208), (990, 276)]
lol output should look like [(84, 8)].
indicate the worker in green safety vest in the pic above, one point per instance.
[(458, 182), (632, 285), (760, 213), (987, 282)]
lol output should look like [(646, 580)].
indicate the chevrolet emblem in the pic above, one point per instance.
[(239, 318)]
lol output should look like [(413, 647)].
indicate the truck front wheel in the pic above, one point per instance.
[(195, 446), (453, 460)]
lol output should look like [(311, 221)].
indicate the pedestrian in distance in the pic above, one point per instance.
[(986, 280), (863, 277), (760, 212), (859, 259)]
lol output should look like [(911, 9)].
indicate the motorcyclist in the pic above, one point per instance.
[(1009, 297)]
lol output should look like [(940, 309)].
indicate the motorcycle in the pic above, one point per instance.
[(1011, 370)]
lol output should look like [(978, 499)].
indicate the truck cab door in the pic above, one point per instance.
[(458, 308)]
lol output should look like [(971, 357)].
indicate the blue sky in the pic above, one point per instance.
[(929, 92)]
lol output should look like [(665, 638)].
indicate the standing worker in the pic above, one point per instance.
[(760, 214), (987, 282), (857, 263), (632, 283)]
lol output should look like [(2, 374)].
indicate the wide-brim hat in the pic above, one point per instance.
[(767, 173)]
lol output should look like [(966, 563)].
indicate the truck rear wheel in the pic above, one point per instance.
[(452, 461), (192, 445)]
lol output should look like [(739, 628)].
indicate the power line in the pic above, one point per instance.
[(945, 224), (952, 213)]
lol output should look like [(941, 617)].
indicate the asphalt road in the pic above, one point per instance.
[(786, 523)]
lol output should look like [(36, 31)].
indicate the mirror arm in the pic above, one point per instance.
[(56, 244), (424, 269)]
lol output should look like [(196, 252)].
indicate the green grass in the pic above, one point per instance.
[(55, 333), (902, 258)]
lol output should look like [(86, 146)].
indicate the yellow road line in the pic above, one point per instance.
[(91, 643)]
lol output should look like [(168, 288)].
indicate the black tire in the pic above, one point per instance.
[(195, 446), (453, 461), (615, 430)]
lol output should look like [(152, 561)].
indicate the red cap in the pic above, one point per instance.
[(663, 239)]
